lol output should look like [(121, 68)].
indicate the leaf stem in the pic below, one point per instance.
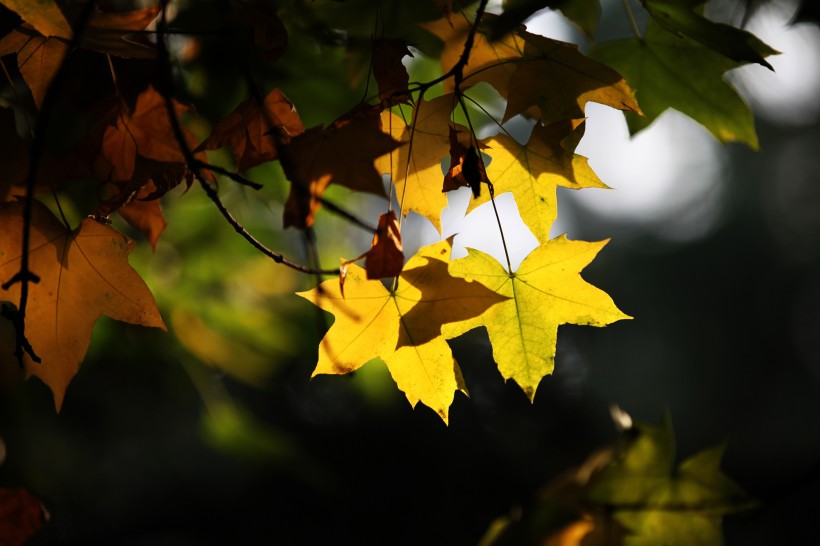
[(631, 17), (489, 184)]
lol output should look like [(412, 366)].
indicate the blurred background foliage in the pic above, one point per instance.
[(214, 433)]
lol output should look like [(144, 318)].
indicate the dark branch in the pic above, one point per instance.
[(167, 88)]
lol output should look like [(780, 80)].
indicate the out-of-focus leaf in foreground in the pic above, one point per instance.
[(631, 494)]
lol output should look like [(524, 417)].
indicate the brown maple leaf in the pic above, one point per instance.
[(385, 258), (343, 153), (466, 166), (269, 33), (41, 48), (391, 75), (254, 133), (84, 274)]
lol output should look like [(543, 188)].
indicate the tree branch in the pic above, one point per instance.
[(25, 275), (167, 86)]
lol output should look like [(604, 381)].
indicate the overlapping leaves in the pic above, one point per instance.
[(403, 131)]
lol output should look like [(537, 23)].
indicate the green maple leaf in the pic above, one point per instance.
[(659, 503), (680, 17), (669, 71)]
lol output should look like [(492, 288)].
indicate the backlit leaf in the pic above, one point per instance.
[(680, 17), (403, 327), (253, 131), (416, 170), (534, 170), (44, 15), (676, 72), (343, 153), (545, 292), (84, 274)]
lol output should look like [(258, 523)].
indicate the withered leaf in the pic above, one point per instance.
[(391, 75), (343, 153), (385, 258), (254, 133), (466, 166), (269, 33)]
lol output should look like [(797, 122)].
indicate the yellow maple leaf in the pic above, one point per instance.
[(489, 61), (419, 185), (545, 292), (533, 171), (84, 274), (403, 327)]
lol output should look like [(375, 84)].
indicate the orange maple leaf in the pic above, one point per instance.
[(84, 274)]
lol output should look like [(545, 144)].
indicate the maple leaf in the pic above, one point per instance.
[(42, 47), (560, 80), (659, 503), (391, 75), (137, 203), (343, 153), (531, 70), (385, 259), (534, 170), (466, 166), (269, 33), (489, 61), (84, 274), (252, 131), (416, 169), (45, 16), (146, 131), (38, 59), (403, 327), (15, 156), (679, 17), (676, 72), (632, 494), (545, 292), (141, 151)]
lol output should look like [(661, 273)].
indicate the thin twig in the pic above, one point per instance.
[(25, 276), (330, 205), (166, 80), (490, 187), (632, 21)]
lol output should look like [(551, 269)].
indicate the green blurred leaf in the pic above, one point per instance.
[(631, 495), (680, 17), (668, 71)]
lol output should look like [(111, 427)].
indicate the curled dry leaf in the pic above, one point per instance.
[(385, 258), (466, 166), (255, 132)]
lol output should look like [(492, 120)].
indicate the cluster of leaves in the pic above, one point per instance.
[(630, 494), (134, 148)]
